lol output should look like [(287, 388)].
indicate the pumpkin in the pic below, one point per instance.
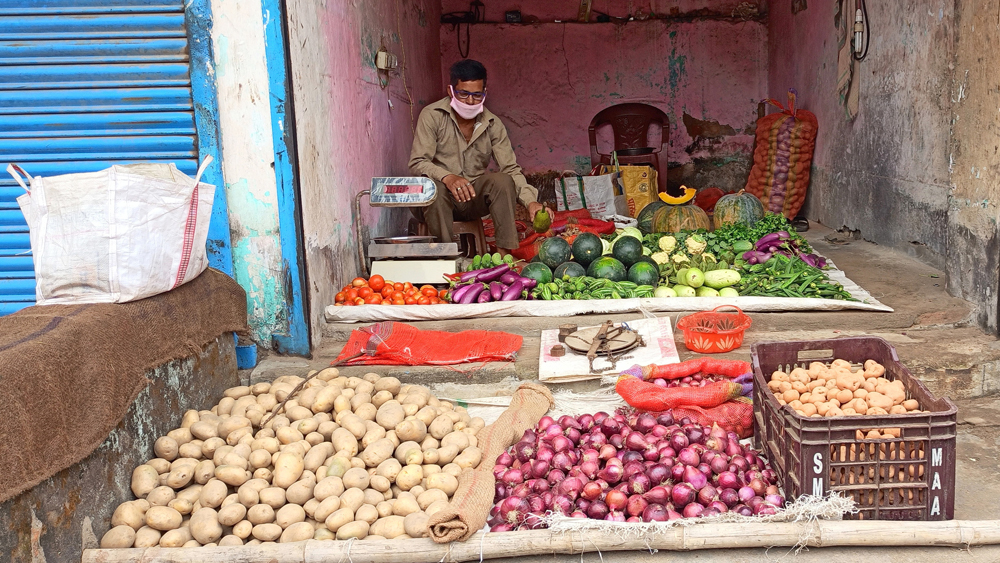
[(687, 194), (673, 218), (738, 208)]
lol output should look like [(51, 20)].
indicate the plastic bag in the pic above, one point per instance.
[(392, 343)]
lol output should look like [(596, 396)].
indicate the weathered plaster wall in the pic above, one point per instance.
[(248, 162), (887, 173), (60, 517), (973, 248), (568, 9), (548, 80), (348, 128)]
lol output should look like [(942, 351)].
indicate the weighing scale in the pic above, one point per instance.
[(418, 260), (608, 340)]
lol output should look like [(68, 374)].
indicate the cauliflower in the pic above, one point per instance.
[(680, 258), (661, 257), (708, 258), (667, 243), (696, 244)]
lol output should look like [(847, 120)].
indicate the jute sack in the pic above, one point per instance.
[(470, 506)]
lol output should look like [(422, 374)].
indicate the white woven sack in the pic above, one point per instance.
[(118, 235)]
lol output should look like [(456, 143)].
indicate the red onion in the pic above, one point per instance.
[(705, 469), (657, 495), (524, 451), (562, 504), (614, 516), (631, 456), (615, 499), (765, 509), (687, 456), (673, 514), (535, 503), (598, 510), (617, 441), (633, 467), (561, 443), (505, 459), (582, 504), (599, 417), (768, 475), (709, 511), (678, 441), (499, 491), (498, 471), (566, 421), (597, 438), (772, 490), (730, 497), (545, 454), (754, 474), (639, 483), (551, 431), (633, 519), (611, 473), (589, 454), (571, 487), (694, 477), (759, 487), (545, 422), (719, 465), (665, 418), (554, 477), (610, 427), (547, 497), (684, 421), (512, 477), (776, 500), (658, 474), (754, 503), (743, 509), (677, 472), (707, 495), (573, 434), (529, 436), (654, 513), (708, 455), (666, 450), (716, 444), (651, 453), (693, 510), (538, 485), (660, 382), (659, 431), (645, 422), (533, 521), (694, 434), (729, 480), (733, 448), (522, 490), (513, 510), (682, 494), (740, 462), (635, 505), (562, 461), (746, 494), (590, 468), (586, 421), (608, 451), (578, 514)]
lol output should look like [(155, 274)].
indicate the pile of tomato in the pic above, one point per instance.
[(378, 291)]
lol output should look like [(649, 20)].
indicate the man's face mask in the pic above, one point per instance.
[(464, 110)]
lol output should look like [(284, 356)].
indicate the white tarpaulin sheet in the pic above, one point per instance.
[(660, 349), (570, 308)]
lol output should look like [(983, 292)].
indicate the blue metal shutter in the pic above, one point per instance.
[(85, 84)]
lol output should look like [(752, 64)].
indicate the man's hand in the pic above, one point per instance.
[(534, 207), (460, 188)]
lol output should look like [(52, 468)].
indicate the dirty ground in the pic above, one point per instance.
[(932, 332)]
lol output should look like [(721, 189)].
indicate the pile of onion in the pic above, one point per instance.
[(640, 468)]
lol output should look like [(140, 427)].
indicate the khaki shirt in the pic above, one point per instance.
[(440, 149)]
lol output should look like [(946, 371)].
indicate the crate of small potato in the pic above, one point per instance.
[(845, 415)]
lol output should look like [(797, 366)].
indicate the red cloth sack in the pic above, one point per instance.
[(398, 344)]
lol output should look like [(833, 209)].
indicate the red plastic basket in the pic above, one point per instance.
[(712, 332)]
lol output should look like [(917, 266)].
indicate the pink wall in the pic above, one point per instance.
[(549, 10), (548, 80), (348, 128)]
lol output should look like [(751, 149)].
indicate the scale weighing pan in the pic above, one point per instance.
[(581, 340), (403, 240)]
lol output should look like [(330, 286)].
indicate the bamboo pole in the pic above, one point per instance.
[(820, 533)]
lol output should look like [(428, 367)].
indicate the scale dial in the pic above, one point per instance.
[(402, 191)]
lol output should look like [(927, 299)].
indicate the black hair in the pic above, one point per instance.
[(467, 70)]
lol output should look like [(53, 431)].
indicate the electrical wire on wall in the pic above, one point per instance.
[(861, 27), (402, 69), (475, 14)]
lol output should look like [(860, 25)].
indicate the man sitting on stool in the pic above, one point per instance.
[(454, 141)]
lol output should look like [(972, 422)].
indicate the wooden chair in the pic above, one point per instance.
[(630, 124), (473, 229)]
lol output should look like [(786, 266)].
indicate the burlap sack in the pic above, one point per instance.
[(470, 507)]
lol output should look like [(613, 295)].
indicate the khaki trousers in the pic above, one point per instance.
[(496, 196)]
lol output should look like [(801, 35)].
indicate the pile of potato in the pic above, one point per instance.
[(364, 458), (840, 390)]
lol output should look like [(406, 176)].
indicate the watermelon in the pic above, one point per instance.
[(738, 208), (538, 272), (645, 217), (608, 268), (627, 250), (648, 260), (571, 269), (554, 251), (643, 273), (674, 218), (587, 247)]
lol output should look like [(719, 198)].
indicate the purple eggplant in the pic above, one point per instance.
[(484, 275), (528, 283), (509, 277), (473, 293), (513, 291), (496, 290), (484, 297), (459, 291), (767, 241)]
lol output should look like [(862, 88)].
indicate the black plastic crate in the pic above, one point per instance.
[(907, 478)]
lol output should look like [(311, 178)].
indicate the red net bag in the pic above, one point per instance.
[(732, 416), (707, 366), (650, 397), (392, 343)]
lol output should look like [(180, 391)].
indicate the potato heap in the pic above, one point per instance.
[(838, 390), (364, 458)]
